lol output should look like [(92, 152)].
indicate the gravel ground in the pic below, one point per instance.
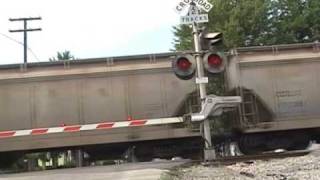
[(295, 168), (305, 167)]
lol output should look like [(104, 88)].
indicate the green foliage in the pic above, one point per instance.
[(216, 85), (258, 22), (62, 56), (295, 21), (184, 38)]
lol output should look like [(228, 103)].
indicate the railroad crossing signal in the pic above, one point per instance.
[(203, 4), (210, 40), (209, 152), (194, 16), (215, 105), (184, 66), (213, 62)]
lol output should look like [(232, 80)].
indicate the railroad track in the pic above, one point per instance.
[(250, 158)]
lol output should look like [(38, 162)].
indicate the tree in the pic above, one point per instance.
[(258, 22), (62, 56), (295, 21)]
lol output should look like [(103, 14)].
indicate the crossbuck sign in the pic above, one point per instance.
[(194, 13), (203, 4)]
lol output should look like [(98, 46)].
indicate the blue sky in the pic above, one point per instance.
[(88, 28)]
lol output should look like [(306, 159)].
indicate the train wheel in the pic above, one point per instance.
[(258, 143), (7, 159), (301, 141), (250, 144), (277, 141)]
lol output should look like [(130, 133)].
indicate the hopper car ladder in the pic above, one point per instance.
[(249, 114)]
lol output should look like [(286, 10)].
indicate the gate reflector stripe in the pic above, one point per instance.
[(90, 127), (121, 124), (39, 131), (7, 134), (23, 133), (55, 130), (137, 123), (72, 128), (105, 125)]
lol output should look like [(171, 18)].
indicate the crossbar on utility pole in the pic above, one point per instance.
[(25, 19), (25, 30)]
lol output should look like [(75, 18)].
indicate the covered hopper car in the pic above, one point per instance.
[(279, 86), (81, 92)]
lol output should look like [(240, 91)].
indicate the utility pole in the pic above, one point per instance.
[(25, 37)]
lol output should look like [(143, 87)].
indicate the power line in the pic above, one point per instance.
[(12, 39), (33, 54), (16, 41)]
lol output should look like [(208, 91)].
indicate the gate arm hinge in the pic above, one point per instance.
[(214, 106)]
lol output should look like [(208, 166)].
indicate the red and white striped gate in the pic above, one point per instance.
[(90, 127)]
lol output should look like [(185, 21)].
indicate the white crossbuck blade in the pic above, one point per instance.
[(183, 4), (214, 106)]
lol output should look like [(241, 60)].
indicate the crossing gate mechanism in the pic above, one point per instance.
[(214, 106)]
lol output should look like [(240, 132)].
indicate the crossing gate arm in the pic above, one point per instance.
[(90, 127)]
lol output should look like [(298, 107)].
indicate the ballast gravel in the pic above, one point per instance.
[(293, 168)]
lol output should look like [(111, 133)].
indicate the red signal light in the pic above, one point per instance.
[(183, 64), (214, 61)]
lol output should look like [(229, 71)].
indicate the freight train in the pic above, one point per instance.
[(278, 84)]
